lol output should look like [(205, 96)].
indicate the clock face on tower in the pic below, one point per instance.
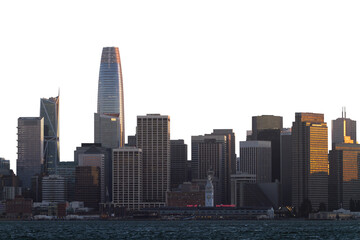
[(208, 196)]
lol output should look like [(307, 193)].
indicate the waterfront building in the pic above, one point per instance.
[(309, 160), (93, 154), (153, 137), (54, 189), (127, 177), (209, 192), (87, 186), (49, 110), (186, 194), (109, 119), (255, 158), (19, 208), (268, 128), (286, 166), (178, 153), (30, 148)]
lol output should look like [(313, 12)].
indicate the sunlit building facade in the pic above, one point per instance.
[(30, 148), (309, 160), (110, 104), (344, 182), (343, 127), (49, 110)]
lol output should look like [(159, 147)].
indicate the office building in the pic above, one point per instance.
[(153, 137), (87, 186), (344, 165), (178, 153), (344, 181), (67, 171), (93, 154), (228, 159), (343, 127), (309, 160), (268, 128), (109, 119), (30, 148), (127, 177), (49, 110), (286, 166), (54, 189), (255, 158)]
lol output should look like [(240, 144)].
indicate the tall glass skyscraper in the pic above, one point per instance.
[(109, 119), (49, 110)]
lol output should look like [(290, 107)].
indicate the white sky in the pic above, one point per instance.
[(207, 64)]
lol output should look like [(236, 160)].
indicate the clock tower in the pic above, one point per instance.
[(209, 192)]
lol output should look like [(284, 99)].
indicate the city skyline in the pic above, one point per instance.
[(241, 59)]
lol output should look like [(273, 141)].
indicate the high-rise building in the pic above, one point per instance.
[(93, 154), (309, 160), (286, 166), (342, 127), (153, 137), (54, 189), (344, 180), (67, 171), (49, 110), (268, 128), (344, 165), (30, 148), (255, 158), (178, 153), (127, 177), (109, 119), (227, 138), (87, 186)]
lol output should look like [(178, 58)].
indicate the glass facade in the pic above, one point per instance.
[(110, 88), (30, 148), (49, 110)]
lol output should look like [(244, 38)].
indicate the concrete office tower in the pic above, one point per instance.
[(268, 128), (344, 181), (54, 189), (209, 153), (49, 110), (309, 160), (153, 137), (286, 166), (127, 177), (178, 153), (87, 186), (109, 119), (227, 138), (343, 130), (255, 158), (92, 154), (230, 159), (30, 148)]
